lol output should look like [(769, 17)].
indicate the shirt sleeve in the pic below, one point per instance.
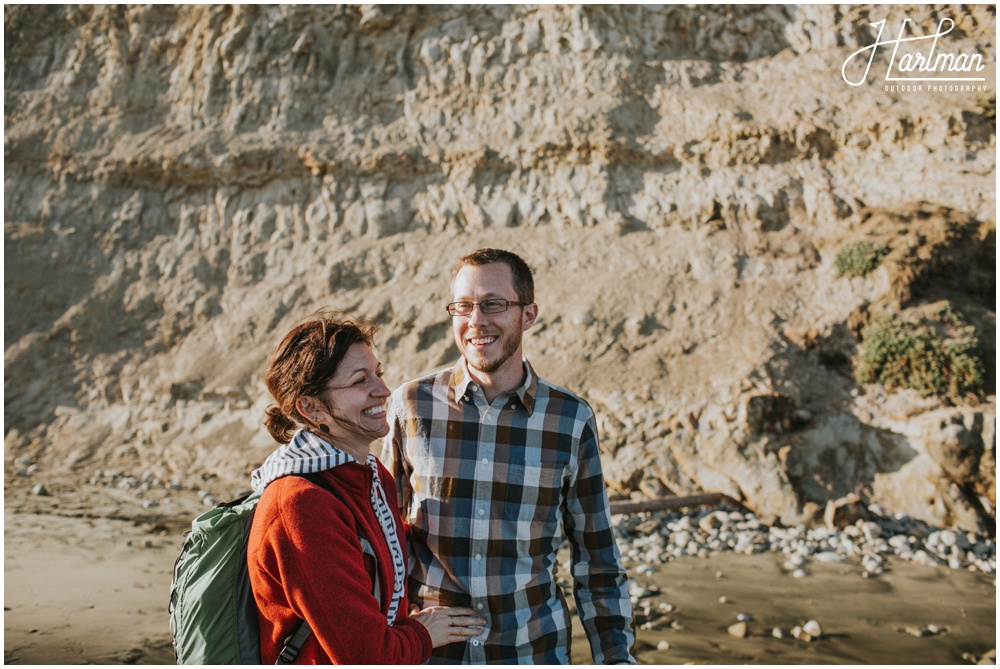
[(600, 583), (312, 553)]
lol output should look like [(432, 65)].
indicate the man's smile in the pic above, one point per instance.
[(484, 340)]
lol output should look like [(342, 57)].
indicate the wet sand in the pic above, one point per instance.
[(865, 621), (86, 580)]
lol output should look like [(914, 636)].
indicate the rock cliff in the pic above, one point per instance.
[(184, 183)]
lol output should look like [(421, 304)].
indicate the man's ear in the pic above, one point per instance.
[(528, 316)]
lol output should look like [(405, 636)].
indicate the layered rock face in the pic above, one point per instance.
[(182, 184)]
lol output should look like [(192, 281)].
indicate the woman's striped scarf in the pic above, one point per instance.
[(307, 453)]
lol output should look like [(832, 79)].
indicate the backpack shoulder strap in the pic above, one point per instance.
[(293, 644), (320, 480), (301, 632)]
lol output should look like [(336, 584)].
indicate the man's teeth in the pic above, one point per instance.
[(374, 411), (483, 341)]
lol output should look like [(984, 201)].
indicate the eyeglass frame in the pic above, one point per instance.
[(507, 305)]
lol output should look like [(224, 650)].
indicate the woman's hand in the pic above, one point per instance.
[(449, 624)]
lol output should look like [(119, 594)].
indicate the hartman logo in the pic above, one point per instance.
[(923, 61)]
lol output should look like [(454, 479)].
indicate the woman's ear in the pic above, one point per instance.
[(305, 406)]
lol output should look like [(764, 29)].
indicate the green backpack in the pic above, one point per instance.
[(213, 615)]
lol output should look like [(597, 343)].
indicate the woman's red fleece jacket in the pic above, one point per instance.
[(306, 562)]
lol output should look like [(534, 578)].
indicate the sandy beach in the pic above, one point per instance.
[(87, 575)]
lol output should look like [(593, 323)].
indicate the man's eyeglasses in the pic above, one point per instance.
[(486, 306)]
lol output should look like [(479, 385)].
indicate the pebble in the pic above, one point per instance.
[(743, 618), (989, 657), (739, 630), (723, 599), (871, 530), (681, 538), (40, 490), (948, 538), (778, 633), (936, 629), (660, 537), (639, 591), (663, 645), (916, 631), (712, 521), (813, 629), (872, 564), (899, 541), (795, 561)]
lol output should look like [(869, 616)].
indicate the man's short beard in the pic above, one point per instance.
[(506, 353)]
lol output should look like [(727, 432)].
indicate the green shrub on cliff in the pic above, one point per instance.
[(860, 258), (898, 354), (989, 108)]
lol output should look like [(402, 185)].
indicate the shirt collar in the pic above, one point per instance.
[(461, 380)]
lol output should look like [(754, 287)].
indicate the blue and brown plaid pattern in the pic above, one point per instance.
[(487, 492)]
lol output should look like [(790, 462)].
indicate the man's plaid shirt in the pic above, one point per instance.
[(486, 492)]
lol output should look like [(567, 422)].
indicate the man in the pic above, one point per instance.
[(493, 464)]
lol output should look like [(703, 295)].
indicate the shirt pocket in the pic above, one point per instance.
[(532, 491)]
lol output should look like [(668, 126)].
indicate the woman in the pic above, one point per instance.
[(337, 561)]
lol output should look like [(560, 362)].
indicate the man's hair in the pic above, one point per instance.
[(524, 284)]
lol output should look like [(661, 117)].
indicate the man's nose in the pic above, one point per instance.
[(478, 315)]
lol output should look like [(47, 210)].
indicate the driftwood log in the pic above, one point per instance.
[(671, 503)]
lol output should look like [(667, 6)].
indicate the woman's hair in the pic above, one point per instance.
[(304, 362)]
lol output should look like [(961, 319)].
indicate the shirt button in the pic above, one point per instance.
[(482, 511), (486, 461), (479, 556), (473, 387), (475, 642), (479, 606)]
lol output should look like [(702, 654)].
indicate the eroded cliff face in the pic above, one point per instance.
[(184, 183)]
